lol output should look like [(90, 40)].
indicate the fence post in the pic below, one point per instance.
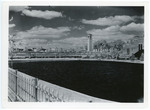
[(36, 89), (16, 93)]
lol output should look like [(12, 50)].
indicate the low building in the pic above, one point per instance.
[(139, 55)]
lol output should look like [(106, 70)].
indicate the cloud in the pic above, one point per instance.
[(109, 33), (71, 42), (133, 29), (31, 43), (34, 41), (42, 14), (78, 27), (109, 21), (66, 43), (112, 30), (39, 36), (40, 32), (117, 32), (11, 25), (80, 41), (18, 8)]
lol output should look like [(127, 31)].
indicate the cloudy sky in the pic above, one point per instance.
[(67, 27)]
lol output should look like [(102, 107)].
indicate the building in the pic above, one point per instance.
[(90, 45), (140, 53)]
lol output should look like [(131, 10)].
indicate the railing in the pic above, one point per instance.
[(25, 88)]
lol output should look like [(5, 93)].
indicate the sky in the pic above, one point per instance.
[(68, 26)]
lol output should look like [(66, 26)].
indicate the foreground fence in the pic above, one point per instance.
[(28, 89), (25, 88)]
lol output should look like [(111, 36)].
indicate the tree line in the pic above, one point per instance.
[(104, 45)]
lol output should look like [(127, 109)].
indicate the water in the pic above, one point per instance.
[(116, 81)]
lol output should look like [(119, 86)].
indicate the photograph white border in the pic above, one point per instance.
[(4, 53)]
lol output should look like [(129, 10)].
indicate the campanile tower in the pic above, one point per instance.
[(90, 46)]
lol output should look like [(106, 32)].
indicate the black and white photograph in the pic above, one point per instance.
[(77, 54)]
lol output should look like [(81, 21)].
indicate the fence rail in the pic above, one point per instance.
[(25, 88)]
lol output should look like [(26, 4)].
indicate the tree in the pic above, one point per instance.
[(11, 45), (108, 47), (100, 44), (118, 44), (95, 45)]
